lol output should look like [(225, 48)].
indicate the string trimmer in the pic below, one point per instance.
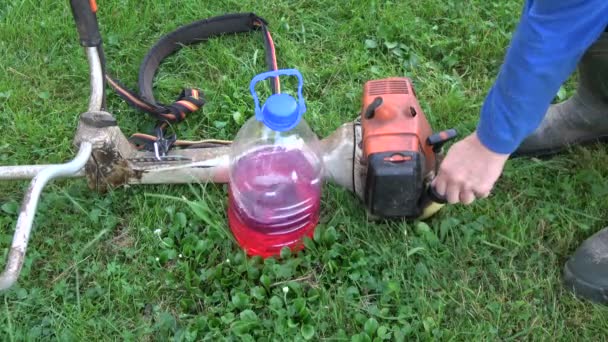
[(387, 157)]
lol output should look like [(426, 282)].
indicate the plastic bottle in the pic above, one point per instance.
[(275, 176)]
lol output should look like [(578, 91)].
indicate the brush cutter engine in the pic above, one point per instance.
[(399, 149)]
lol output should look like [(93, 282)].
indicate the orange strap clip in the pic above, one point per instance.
[(93, 4)]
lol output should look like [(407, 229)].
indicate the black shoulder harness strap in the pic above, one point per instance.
[(192, 99)]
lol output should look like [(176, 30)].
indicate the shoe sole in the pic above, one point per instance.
[(549, 152), (583, 289)]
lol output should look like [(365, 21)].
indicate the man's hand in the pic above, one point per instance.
[(468, 171)]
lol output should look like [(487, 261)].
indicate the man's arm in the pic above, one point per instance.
[(549, 41)]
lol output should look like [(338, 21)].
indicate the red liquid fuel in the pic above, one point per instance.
[(274, 200)]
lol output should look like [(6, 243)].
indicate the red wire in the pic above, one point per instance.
[(274, 59)]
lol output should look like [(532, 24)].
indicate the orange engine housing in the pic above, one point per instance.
[(395, 133), (398, 123)]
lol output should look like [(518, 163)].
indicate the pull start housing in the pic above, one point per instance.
[(399, 148)]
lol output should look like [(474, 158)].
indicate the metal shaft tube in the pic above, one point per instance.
[(27, 172), (42, 174), (28, 209), (96, 76), (21, 172)]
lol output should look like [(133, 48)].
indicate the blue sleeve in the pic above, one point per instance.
[(550, 39)]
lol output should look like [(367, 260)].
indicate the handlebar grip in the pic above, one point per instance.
[(84, 12), (434, 196)]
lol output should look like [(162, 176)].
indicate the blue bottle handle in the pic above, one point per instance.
[(276, 73)]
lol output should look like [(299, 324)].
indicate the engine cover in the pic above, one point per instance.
[(396, 155), (394, 184)]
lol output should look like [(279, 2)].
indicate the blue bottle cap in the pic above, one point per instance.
[(281, 112)]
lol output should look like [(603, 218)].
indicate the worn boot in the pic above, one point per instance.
[(581, 119), (586, 272)]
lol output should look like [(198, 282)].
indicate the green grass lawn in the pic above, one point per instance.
[(129, 265)]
